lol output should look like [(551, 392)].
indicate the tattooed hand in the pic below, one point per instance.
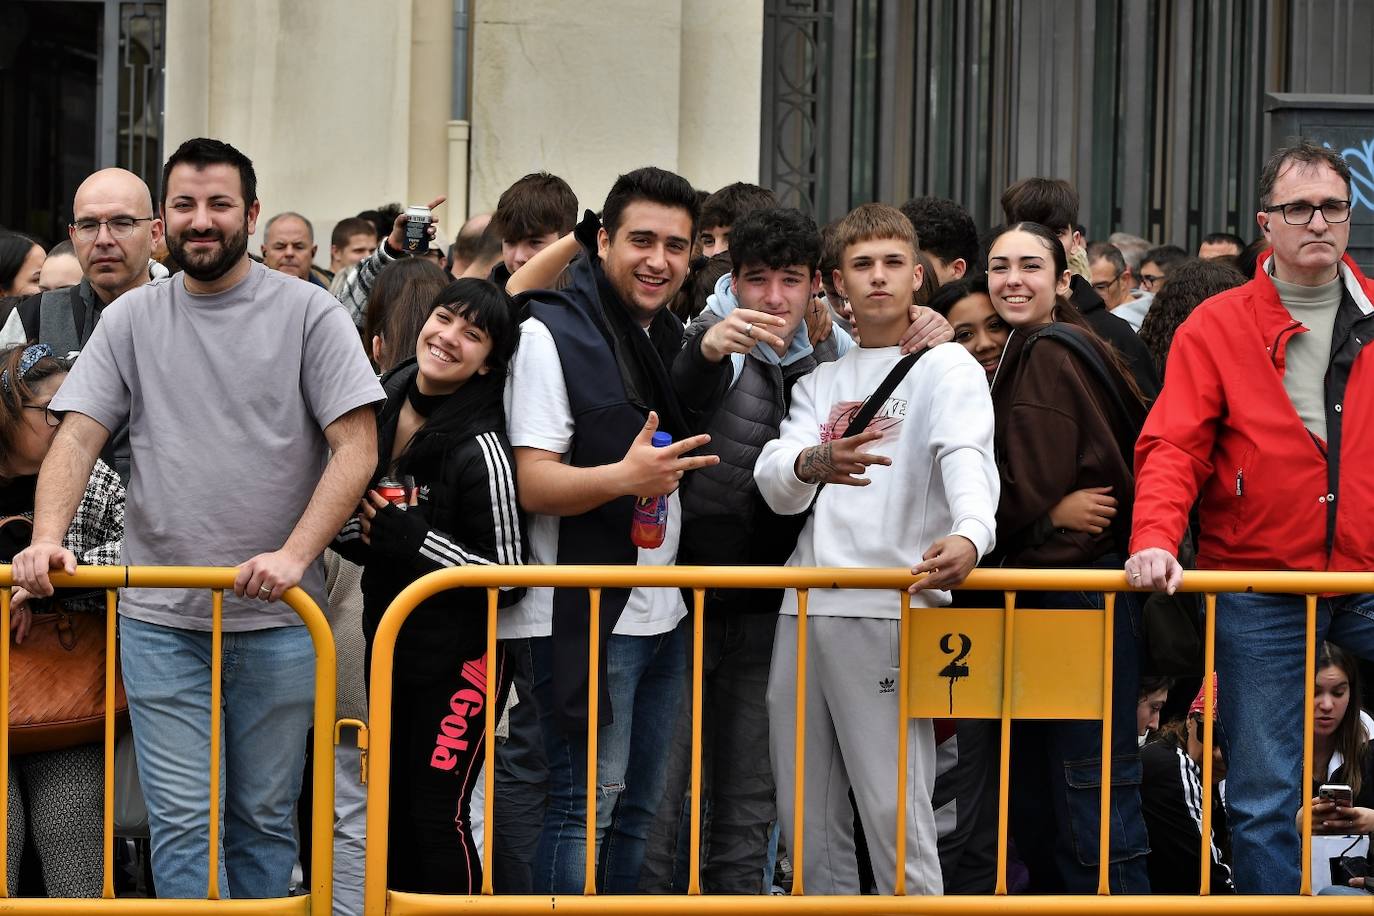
[(840, 460)]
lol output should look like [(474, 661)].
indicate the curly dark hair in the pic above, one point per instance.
[(944, 229), (1190, 282), (775, 237)]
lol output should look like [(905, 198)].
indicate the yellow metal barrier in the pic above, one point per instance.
[(1020, 674), (111, 578)]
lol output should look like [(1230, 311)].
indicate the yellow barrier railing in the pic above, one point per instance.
[(217, 580), (1016, 685)]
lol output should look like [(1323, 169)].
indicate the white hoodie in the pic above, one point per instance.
[(938, 430)]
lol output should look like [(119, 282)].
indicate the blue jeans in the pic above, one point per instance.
[(1057, 831), (736, 778), (645, 681), (268, 693), (1260, 644)]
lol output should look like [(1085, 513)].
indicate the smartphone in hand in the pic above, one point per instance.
[(1337, 793)]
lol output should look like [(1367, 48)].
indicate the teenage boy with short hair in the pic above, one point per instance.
[(531, 214), (931, 490), (721, 210), (734, 376)]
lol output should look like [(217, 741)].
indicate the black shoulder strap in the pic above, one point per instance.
[(78, 315), (789, 527), (869, 409), (1075, 340)]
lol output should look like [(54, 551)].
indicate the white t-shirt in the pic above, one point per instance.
[(937, 429), (539, 416)]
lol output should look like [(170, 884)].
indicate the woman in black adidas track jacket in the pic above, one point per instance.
[(442, 435)]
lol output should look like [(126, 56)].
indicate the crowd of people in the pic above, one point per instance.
[(706, 379)]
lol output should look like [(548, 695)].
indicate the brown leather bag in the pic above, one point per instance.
[(57, 681)]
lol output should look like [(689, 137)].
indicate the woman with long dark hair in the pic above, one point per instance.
[(450, 501), (21, 260), (1067, 415), (1340, 756)]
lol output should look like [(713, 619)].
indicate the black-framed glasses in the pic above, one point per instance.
[(121, 227), (49, 417), (1300, 212), (1106, 284), (1149, 281)]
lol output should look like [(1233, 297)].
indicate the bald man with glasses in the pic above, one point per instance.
[(113, 233)]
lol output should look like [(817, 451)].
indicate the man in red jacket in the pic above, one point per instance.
[(1267, 400)]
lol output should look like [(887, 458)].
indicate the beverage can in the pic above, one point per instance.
[(393, 491), (417, 222)]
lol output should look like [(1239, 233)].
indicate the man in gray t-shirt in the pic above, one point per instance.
[(250, 408)]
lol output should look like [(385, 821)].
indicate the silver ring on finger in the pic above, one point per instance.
[(749, 330)]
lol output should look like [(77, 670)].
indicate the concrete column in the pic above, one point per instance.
[(431, 90), (317, 95), (585, 90), (721, 91), (187, 76)]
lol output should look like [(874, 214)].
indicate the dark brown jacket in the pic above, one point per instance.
[(1056, 432)]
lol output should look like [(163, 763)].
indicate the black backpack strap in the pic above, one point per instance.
[(869, 409), (1091, 356), (78, 306)]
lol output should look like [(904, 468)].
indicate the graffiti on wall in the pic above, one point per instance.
[(1361, 161)]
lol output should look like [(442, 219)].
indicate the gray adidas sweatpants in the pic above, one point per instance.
[(851, 741)]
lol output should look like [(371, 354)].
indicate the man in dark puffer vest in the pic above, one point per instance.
[(589, 388)]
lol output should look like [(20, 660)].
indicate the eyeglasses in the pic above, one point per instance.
[(1300, 212), (1150, 280), (121, 227), (49, 417), (1105, 285)]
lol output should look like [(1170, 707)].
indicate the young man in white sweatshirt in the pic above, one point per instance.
[(920, 481)]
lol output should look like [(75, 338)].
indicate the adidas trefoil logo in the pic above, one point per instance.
[(885, 685)]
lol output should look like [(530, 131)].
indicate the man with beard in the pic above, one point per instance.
[(250, 404)]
